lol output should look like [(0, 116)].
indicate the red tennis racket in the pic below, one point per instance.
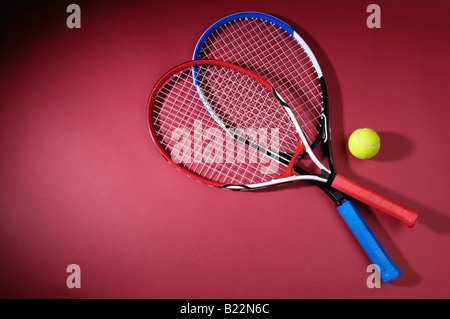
[(225, 126)]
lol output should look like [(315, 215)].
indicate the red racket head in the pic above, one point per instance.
[(208, 119)]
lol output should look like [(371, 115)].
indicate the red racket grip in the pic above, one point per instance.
[(406, 215)]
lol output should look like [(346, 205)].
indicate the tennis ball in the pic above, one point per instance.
[(364, 143)]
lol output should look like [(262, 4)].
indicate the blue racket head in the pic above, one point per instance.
[(271, 49)]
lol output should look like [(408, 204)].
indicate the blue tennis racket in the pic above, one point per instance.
[(269, 48)]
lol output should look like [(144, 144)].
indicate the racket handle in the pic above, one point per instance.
[(406, 215), (388, 270)]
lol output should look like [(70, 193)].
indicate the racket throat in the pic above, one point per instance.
[(338, 197), (290, 169), (329, 176)]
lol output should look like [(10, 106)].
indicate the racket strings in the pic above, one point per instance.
[(271, 42), (270, 52), (243, 104), (189, 134), (246, 106)]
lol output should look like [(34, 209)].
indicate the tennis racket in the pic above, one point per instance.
[(271, 49), (199, 120)]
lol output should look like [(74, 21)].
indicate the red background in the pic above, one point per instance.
[(81, 182)]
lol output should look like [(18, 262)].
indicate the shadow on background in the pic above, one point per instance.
[(394, 146)]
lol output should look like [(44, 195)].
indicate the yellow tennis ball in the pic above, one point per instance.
[(364, 143)]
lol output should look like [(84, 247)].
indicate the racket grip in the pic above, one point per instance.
[(388, 270), (406, 215)]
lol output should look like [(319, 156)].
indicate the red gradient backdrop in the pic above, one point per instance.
[(81, 182)]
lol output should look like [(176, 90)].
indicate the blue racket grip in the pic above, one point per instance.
[(369, 243)]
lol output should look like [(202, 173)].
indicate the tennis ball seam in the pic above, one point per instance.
[(371, 146)]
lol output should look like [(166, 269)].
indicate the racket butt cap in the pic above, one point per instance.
[(394, 273)]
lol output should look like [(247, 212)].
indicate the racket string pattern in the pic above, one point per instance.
[(183, 126), (269, 51)]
